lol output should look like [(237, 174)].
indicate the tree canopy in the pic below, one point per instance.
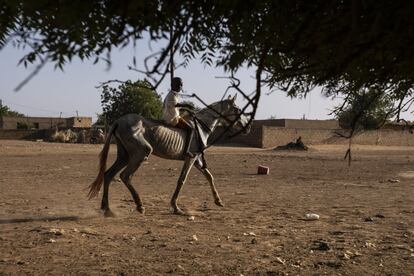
[(130, 97), (366, 110), (342, 46), (6, 111)]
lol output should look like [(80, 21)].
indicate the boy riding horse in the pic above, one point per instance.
[(171, 112)]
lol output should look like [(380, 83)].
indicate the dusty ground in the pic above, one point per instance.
[(366, 225)]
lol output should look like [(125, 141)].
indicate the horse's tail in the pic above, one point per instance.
[(103, 156)]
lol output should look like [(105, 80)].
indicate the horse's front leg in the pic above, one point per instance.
[(183, 177), (199, 165)]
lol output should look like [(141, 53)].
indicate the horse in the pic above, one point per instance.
[(138, 137)]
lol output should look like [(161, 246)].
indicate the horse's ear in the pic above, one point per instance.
[(229, 97), (234, 98)]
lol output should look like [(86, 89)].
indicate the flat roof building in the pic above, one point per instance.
[(44, 122)]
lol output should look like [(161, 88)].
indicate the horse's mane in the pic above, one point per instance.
[(210, 108)]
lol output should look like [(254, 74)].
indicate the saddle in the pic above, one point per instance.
[(197, 125)]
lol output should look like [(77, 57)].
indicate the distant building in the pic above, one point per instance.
[(275, 132), (44, 122), (79, 122), (298, 123)]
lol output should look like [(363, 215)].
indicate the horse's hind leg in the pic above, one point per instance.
[(138, 152), (119, 163), (199, 165)]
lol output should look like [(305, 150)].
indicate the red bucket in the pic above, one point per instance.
[(262, 170)]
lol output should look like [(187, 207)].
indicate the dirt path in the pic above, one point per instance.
[(366, 225)]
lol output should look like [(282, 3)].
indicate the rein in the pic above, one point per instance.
[(201, 122), (209, 107)]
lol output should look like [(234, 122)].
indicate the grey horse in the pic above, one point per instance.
[(137, 138)]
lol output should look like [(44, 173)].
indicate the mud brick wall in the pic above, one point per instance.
[(385, 137), (42, 122), (295, 123), (79, 122), (312, 124), (273, 136), (46, 122), (253, 139), (276, 132), (398, 138), (16, 134), (278, 136)]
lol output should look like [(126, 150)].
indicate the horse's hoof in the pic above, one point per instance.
[(179, 212), (219, 203), (141, 209), (108, 214)]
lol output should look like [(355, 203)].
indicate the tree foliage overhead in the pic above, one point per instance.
[(130, 97), (343, 46)]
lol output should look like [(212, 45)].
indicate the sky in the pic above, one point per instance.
[(53, 93)]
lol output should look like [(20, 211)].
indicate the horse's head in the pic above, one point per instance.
[(232, 114)]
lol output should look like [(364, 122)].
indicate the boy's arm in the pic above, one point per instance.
[(189, 106)]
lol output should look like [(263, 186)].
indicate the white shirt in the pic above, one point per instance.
[(170, 113)]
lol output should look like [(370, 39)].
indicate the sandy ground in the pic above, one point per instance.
[(366, 225)]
